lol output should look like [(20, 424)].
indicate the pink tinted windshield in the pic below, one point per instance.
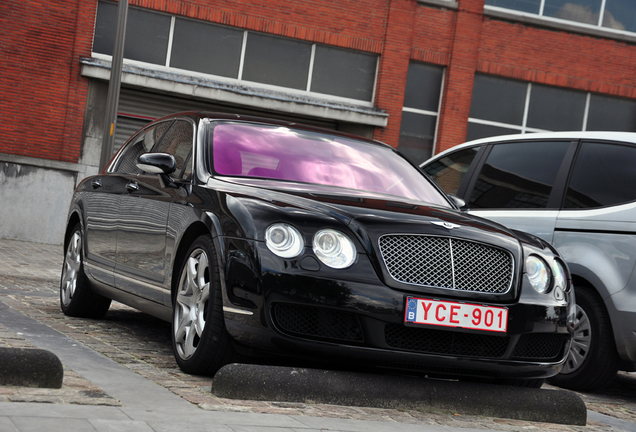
[(278, 152)]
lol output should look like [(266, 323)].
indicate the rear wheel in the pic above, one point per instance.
[(200, 341), (592, 360), (76, 297)]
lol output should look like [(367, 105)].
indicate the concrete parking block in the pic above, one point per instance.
[(288, 384), (30, 367)]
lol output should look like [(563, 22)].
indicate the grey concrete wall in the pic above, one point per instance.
[(34, 202)]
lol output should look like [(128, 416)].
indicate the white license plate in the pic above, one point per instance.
[(454, 314)]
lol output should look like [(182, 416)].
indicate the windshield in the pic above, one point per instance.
[(283, 153)]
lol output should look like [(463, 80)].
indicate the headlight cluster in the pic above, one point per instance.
[(546, 278), (332, 247), (284, 240)]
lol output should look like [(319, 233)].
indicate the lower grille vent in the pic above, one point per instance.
[(540, 346), (319, 323), (445, 342)]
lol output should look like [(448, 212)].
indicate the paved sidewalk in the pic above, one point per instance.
[(111, 384)]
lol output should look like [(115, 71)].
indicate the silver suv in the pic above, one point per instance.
[(576, 190)]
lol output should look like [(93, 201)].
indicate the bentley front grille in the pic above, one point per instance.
[(445, 262)]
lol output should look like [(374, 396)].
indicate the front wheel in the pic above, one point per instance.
[(77, 299), (200, 341), (592, 360)]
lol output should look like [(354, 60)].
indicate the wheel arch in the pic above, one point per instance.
[(73, 219), (193, 232), (577, 281)]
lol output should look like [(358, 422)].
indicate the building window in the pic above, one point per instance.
[(420, 111), (221, 43), (277, 61), (503, 106), (614, 14), (197, 46)]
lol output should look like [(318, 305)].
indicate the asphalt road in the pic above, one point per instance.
[(28, 286)]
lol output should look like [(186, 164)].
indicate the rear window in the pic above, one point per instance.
[(604, 174), (283, 153)]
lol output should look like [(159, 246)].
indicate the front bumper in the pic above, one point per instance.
[(352, 317)]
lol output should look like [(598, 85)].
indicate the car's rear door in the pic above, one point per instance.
[(596, 229)]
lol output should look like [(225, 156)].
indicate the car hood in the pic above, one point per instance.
[(367, 218), (372, 215)]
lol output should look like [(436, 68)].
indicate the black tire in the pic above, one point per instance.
[(592, 361), (200, 342), (77, 299)]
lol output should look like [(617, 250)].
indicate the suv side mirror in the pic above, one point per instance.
[(157, 163), (460, 203)]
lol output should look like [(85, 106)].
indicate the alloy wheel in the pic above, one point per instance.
[(72, 267), (191, 304)]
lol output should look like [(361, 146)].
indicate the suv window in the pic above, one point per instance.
[(138, 145), (449, 171), (603, 175), (518, 175), (178, 143)]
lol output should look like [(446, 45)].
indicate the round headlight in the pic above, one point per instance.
[(334, 248), (538, 273), (284, 240)]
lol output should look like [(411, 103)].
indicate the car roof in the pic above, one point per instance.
[(629, 137)]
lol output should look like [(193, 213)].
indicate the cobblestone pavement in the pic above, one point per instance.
[(29, 276)]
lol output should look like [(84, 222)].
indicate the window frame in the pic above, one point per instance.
[(427, 113), (125, 148), (559, 187), (524, 128), (560, 23), (306, 91), (566, 186)]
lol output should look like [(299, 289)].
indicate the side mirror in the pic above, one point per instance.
[(157, 163), (460, 203)]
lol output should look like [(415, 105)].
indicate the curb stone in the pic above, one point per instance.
[(30, 367), (300, 385)]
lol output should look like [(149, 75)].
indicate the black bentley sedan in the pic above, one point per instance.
[(253, 235)]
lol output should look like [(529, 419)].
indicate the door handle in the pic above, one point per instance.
[(132, 187), (97, 183)]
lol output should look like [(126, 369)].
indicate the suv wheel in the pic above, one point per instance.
[(592, 361)]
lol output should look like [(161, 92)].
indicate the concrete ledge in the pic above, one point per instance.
[(300, 385), (30, 368)]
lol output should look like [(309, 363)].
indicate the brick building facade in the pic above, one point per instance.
[(53, 83)]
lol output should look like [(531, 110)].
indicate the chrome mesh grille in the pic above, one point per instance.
[(444, 262)]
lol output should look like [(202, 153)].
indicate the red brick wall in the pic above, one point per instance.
[(393, 68), (42, 94), (558, 58), (351, 24)]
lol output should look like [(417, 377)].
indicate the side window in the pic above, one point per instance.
[(449, 171), (518, 175), (141, 143), (603, 175), (178, 143)]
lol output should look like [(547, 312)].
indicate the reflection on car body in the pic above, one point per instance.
[(250, 234)]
